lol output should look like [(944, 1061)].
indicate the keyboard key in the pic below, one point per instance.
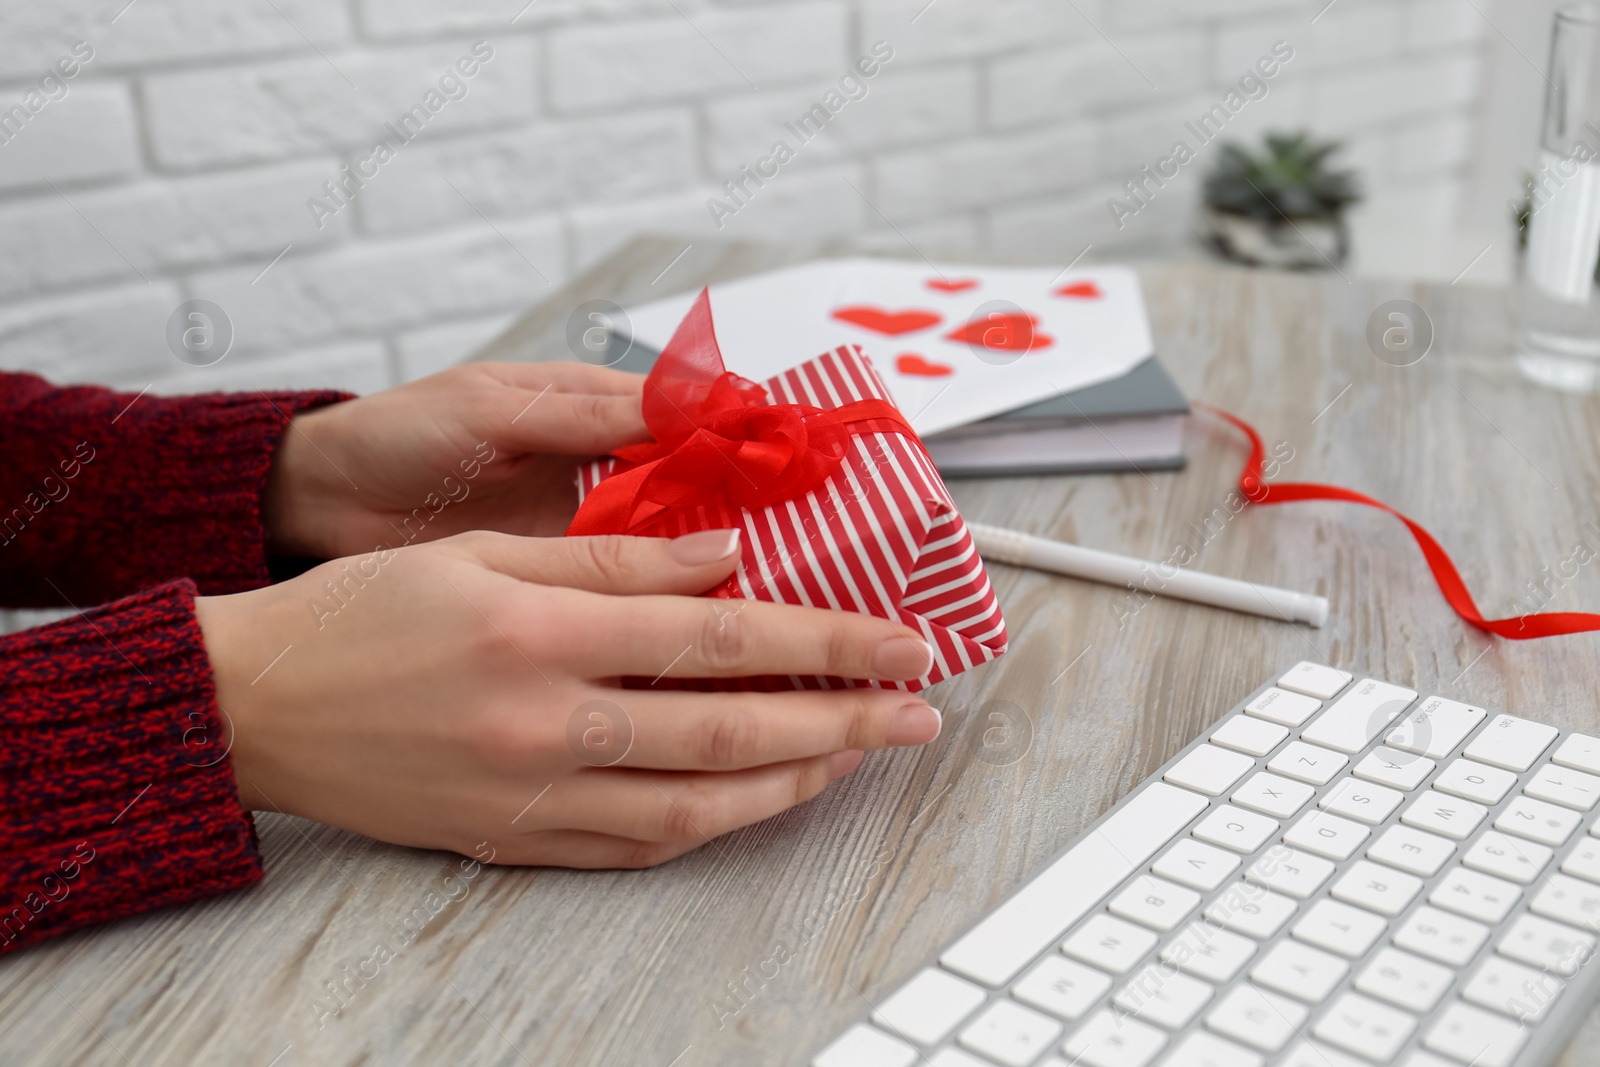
[(1558, 785), (1300, 971), (929, 1006), (1283, 708), (994, 950), (1380, 889), (1441, 936), (1253, 737), (1365, 1027), (1477, 896), (1306, 1054), (1201, 1049), (1108, 1040), (1474, 1036), (1195, 865), (1313, 679), (1508, 857), (1251, 910), (1158, 996), (1208, 952), (1210, 770), (1154, 902), (1512, 989), (1235, 828), (1511, 742), (1570, 901), (1327, 835), (1538, 820), (1271, 795), (1435, 728), (1361, 800), (1416, 1059), (1010, 1034), (1404, 980), (1364, 712), (1444, 814), (1555, 947), (1308, 763), (1256, 1017), (862, 1046), (1299, 874), (1061, 987), (1339, 928), (1584, 860), (1391, 767), (1412, 850), (1580, 752), (954, 1057), (1475, 781), (1109, 944)]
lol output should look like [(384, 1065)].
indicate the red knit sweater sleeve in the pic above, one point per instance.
[(105, 493)]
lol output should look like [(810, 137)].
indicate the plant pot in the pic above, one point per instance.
[(1306, 243)]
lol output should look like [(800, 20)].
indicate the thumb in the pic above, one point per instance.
[(618, 565)]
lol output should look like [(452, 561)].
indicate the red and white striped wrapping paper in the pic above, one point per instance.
[(881, 536)]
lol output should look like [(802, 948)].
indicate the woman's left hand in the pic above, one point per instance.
[(482, 446)]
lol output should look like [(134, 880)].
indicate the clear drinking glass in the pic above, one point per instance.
[(1559, 341)]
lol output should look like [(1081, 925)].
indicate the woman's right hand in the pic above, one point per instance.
[(440, 695)]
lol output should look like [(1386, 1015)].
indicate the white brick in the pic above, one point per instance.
[(1343, 103), (1431, 23), (1346, 34), (926, 182), (303, 106), (87, 134), (424, 352), (360, 367), (422, 18), (921, 32), (1432, 144), (899, 108), (380, 286), (1058, 229), (534, 169), (36, 35), (1057, 83), (1144, 14), (952, 237), (695, 55), (104, 335), (1143, 137)]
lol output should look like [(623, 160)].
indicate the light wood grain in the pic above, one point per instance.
[(865, 883)]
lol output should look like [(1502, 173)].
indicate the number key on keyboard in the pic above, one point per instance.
[(1404, 980), (1441, 936), (1553, 946), (1570, 901), (1538, 820), (1580, 752), (1508, 857), (1512, 989), (1475, 895), (1474, 1036), (1511, 742), (1584, 860), (1558, 785)]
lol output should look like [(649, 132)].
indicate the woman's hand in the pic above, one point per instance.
[(482, 446), (465, 691)]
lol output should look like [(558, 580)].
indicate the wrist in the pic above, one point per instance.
[(296, 502), (229, 647)]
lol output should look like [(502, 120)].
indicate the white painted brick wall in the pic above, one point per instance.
[(180, 161)]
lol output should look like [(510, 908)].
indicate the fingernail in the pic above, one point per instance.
[(842, 763), (707, 546), (914, 724), (902, 657)]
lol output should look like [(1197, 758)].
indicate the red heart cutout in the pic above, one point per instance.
[(952, 285), (1081, 290), (1003, 331), (911, 363), (888, 323)]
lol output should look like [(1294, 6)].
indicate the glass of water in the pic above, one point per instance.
[(1559, 340)]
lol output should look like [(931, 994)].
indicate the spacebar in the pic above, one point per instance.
[(1042, 911)]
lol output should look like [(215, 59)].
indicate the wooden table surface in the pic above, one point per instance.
[(838, 901)]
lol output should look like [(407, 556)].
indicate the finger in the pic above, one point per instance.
[(685, 808), (586, 851), (577, 424), (681, 637), (734, 731), (618, 565), (568, 376)]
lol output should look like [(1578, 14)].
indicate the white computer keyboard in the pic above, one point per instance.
[(1335, 874)]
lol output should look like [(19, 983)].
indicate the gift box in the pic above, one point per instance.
[(839, 504)]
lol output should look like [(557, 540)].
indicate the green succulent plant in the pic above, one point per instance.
[(1292, 179)]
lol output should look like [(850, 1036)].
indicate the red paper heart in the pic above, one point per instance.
[(952, 285), (888, 323), (1003, 331), (1081, 290), (911, 363)]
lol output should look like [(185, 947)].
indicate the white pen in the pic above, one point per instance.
[(1163, 579)]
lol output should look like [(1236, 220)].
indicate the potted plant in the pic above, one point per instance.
[(1283, 208)]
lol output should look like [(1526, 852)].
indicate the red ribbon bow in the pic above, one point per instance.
[(720, 443)]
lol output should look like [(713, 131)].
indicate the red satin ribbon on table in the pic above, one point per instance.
[(1517, 628), (720, 443)]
